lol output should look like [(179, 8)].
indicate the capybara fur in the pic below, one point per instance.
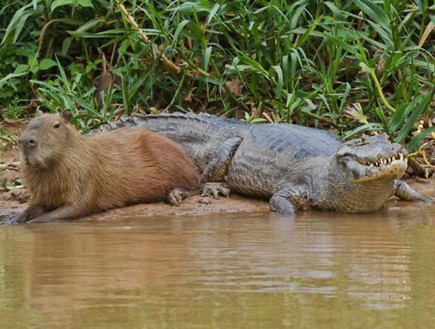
[(70, 175)]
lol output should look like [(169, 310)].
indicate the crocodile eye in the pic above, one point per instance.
[(364, 140), (356, 142)]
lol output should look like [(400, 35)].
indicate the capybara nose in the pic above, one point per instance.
[(28, 142)]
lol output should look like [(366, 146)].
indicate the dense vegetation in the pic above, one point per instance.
[(347, 65)]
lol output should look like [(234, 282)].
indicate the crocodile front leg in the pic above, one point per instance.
[(288, 199), (216, 189), (216, 170), (405, 192)]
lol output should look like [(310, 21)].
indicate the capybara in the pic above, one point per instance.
[(70, 175)]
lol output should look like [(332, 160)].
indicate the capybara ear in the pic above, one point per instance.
[(66, 115)]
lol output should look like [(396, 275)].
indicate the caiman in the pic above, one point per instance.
[(295, 167)]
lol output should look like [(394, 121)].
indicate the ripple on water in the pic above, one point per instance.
[(196, 270)]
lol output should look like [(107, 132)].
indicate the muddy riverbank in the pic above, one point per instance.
[(13, 202), (13, 198)]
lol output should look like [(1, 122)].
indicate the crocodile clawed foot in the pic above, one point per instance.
[(216, 189)]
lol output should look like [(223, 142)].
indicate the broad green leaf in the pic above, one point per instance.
[(296, 15), (190, 6), (207, 56), (371, 126), (310, 31), (417, 140), (402, 113), (16, 25), (334, 9), (66, 44), (46, 64), (10, 76), (376, 13), (365, 68), (123, 47), (85, 3), (280, 81), (382, 117), (21, 68), (213, 12), (180, 27), (87, 26), (60, 3), (414, 117), (343, 44), (72, 3)]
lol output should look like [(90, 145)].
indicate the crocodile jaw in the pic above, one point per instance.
[(372, 158), (393, 167)]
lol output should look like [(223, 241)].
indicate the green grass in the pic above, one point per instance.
[(307, 62)]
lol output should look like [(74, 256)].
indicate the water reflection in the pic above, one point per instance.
[(222, 271)]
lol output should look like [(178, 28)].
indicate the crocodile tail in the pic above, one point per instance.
[(185, 127)]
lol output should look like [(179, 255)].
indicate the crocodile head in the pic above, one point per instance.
[(372, 158)]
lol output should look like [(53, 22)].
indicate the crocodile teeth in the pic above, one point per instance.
[(388, 161)]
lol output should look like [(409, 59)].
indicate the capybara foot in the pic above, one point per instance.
[(177, 195), (13, 219)]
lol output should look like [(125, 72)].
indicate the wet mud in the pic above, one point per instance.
[(12, 203), (193, 206)]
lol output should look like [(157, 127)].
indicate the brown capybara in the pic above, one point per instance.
[(70, 175)]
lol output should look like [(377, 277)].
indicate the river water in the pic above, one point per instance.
[(318, 270)]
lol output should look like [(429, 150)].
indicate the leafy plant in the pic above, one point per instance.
[(303, 61)]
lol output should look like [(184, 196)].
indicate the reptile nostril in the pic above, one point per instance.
[(32, 142)]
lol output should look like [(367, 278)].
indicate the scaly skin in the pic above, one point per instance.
[(294, 167)]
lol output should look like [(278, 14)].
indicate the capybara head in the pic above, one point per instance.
[(45, 139)]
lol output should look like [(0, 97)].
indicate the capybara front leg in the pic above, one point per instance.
[(61, 213), (28, 214)]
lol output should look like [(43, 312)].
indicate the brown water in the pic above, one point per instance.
[(319, 270)]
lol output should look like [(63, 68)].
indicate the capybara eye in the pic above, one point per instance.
[(57, 125)]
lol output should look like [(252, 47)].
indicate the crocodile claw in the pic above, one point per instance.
[(216, 189)]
